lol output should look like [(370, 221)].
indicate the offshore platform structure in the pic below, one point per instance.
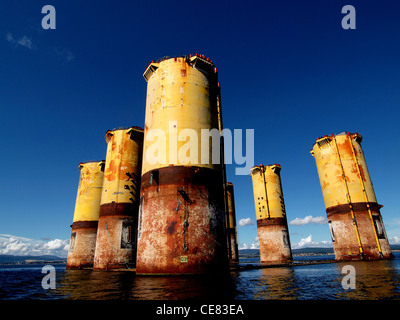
[(161, 203), (354, 218), (182, 203), (86, 216), (273, 234), (117, 228)]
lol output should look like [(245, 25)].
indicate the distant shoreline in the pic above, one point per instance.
[(312, 254), (254, 253), (37, 262)]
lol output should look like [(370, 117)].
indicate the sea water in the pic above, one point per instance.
[(373, 280)]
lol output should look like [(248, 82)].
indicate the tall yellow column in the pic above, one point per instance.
[(354, 217), (117, 231), (273, 234), (86, 216), (182, 219)]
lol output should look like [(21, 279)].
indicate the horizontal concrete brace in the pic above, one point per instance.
[(119, 209), (271, 221), (180, 175), (84, 225), (357, 207)]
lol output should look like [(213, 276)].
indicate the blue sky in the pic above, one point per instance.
[(287, 70)]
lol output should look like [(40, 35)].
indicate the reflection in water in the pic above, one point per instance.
[(94, 285), (375, 280), (181, 287), (276, 283), (270, 283)]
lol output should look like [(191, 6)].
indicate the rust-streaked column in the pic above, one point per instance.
[(181, 218), (86, 215), (231, 224), (117, 231), (273, 234), (354, 217)]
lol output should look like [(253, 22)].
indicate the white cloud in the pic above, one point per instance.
[(303, 243), (9, 37), (64, 53), (14, 245), (394, 240), (23, 41), (308, 220), (55, 244), (308, 243), (246, 222), (254, 245)]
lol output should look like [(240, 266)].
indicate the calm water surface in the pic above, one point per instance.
[(374, 280)]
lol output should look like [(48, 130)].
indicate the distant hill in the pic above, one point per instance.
[(313, 251), (9, 259), (21, 259), (329, 250), (251, 252), (256, 252)]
